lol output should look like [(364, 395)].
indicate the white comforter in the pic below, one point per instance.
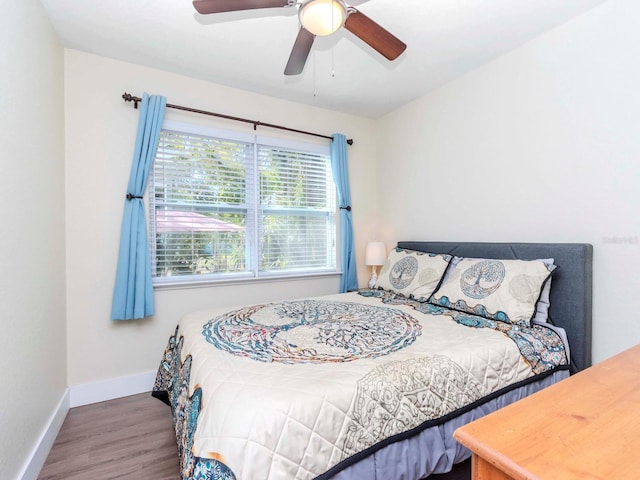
[(267, 419)]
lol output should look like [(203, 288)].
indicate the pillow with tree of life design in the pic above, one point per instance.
[(503, 290), (412, 274)]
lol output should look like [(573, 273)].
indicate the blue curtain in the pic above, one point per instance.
[(133, 292), (349, 280)]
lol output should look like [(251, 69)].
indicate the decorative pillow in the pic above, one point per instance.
[(504, 290), (543, 304), (412, 274)]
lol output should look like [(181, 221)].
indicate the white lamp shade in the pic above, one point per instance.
[(376, 253), (322, 17)]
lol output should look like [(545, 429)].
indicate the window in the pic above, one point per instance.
[(223, 206)]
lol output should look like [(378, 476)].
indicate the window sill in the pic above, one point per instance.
[(166, 284)]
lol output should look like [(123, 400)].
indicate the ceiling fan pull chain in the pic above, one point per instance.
[(315, 91), (333, 62)]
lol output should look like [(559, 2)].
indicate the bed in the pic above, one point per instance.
[(372, 384)]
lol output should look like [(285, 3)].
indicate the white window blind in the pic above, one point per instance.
[(297, 202), (224, 208)]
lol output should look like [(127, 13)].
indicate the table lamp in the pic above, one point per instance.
[(375, 255)]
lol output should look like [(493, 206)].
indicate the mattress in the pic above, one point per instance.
[(315, 388)]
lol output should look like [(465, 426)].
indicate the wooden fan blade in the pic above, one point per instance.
[(374, 35), (300, 52), (217, 6)]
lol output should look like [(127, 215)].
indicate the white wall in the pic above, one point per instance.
[(100, 134), (32, 285), (540, 145)]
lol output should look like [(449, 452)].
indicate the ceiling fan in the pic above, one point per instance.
[(317, 17)]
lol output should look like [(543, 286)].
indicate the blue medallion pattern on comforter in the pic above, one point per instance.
[(312, 331), (294, 389)]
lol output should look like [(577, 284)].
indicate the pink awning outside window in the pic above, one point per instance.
[(174, 221)]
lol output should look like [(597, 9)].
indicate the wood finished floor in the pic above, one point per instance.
[(127, 438)]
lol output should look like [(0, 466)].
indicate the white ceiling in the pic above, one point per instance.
[(249, 50)]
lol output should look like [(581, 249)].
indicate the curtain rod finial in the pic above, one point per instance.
[(350, 141), (127, 97)]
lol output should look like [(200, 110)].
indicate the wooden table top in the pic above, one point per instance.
[(584, 427)]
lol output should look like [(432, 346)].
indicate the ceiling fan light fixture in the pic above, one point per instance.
[(322, 17)]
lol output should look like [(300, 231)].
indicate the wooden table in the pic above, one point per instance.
[(586, 427)]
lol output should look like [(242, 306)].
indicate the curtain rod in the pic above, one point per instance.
[(256, 123)]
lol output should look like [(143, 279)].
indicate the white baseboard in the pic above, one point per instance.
[(77, 396), (42, 448), (103, 390)]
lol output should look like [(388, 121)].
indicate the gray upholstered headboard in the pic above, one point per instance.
[(570, 288)]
